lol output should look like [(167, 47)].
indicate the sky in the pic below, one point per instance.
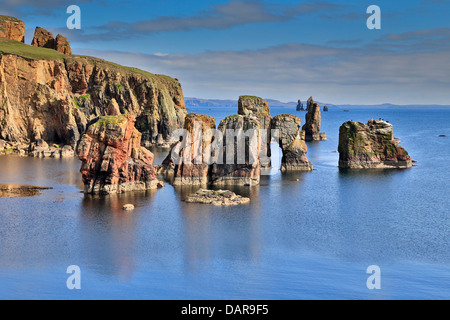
[(284, 50)]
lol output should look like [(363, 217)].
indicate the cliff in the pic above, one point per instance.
[(47, 95)]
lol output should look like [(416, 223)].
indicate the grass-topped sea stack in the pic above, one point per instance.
[(370, 145), (113, 160)]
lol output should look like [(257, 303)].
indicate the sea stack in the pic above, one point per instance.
[(259, 108), (239, 161), (113, 160), (12, 28), (292, 143), (370, 145), (313, 122), (191, 167)]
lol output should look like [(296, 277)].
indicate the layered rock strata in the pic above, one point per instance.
[(188, 162), (292, 142), (51, 96), (370, 145), (113, 160), (238, 162)]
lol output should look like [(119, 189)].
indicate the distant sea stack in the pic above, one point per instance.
[(113, 160), (300, 105), (313, 122), (370, 145), (52, 95), (325, 108), (12, 28), (292, 143)]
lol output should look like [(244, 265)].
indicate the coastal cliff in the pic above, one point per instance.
[(45, 94)]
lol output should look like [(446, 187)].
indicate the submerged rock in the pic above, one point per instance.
[(113, 160), (370, 145), (292, 143), (16, 190), (128, 207), (313, 122), (216, 197)]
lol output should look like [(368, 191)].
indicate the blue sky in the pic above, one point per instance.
[(283, 50)]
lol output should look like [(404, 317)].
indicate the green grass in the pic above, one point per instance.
[(249, 97), (29, 52), (109, 120)]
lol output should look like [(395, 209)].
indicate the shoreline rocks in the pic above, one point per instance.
[(370, 145), (216, 197), (113, 160)]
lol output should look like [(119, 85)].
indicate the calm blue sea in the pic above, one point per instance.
[(303, 236)]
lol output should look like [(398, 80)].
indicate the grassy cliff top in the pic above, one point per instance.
[(26, 51)]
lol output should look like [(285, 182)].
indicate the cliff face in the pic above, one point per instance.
[(47, 95), (113, 160)]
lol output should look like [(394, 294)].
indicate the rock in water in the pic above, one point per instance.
[(216, 197), (325, 108), (12, 28), (113, 160), (43, 39), (313, 122), (191, 168), (292, 143), (370, 145), (62, 45), (299, 105), (239, 161), (259, 108), (128, 207)]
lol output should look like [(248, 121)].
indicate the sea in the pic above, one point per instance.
[(305, 235)]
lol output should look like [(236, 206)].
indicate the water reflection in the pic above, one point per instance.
[(109, 234)]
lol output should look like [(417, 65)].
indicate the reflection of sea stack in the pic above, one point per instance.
[(313, 122), (370, 145)]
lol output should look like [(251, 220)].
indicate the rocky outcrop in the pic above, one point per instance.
[(43, 39), (62, 45), (60, 95), (325, 108), (309, 103), (313, 122), (370, 145), (292, 142), (216, 197), (239, 161), (113, 160), (186, 163), (259, 108), (12, 28)]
